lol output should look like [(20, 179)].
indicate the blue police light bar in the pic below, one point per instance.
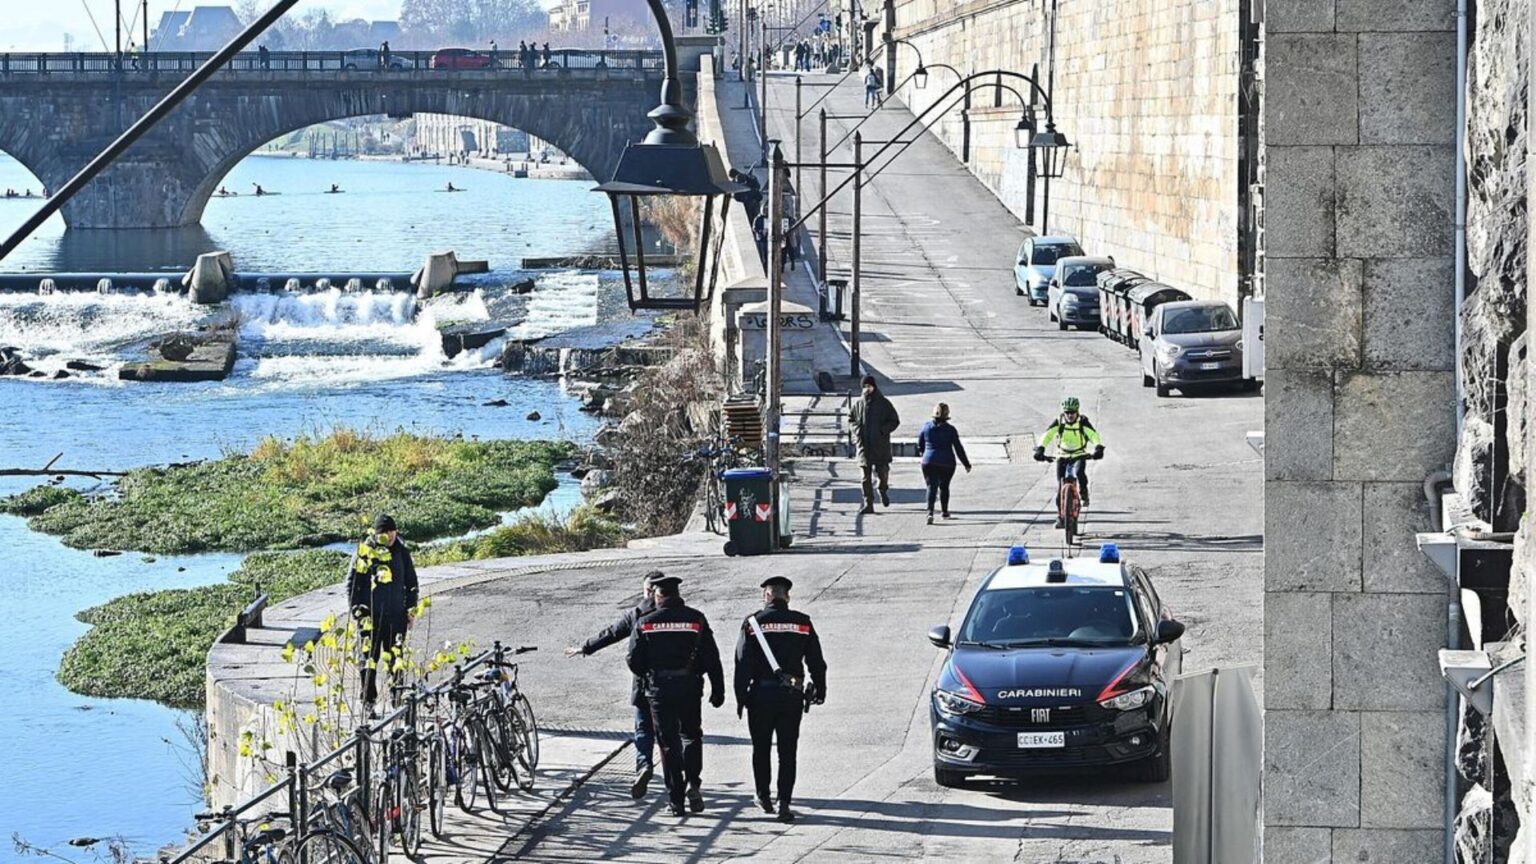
[(1109, 553), (1018, 555)]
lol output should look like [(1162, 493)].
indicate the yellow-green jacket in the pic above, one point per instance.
[(1071, 439)]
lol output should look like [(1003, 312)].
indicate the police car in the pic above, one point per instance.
[(1058, 666)]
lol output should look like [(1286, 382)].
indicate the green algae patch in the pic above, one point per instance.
[(311, 492), (154, 645), (37, 499), (530, 534)]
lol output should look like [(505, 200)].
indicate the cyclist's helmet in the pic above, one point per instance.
[(1069, 405)]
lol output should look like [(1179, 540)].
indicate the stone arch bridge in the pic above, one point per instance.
[(58, 111)]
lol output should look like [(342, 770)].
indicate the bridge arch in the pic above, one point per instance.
[(167, 178)]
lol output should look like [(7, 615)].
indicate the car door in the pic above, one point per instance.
[(1021, 266), (1053, 292), (1170, 656)]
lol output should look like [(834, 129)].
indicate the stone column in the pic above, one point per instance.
[(1359, 117)]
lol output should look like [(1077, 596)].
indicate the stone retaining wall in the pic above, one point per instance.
[(1145, 89)]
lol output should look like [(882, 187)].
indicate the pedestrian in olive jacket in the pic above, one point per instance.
[(872, 420)]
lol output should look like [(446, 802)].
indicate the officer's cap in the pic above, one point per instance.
[(383, 522), (777, 580), (658, 579)]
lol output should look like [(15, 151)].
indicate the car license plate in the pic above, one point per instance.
[(1210, 365), (1042, 739)]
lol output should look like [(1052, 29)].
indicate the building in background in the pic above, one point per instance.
[(205, 28)]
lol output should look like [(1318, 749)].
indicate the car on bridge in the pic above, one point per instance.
[(1036, 264), (462, 58), (1190, 344), (372, 58), (1064, 666), (1072, 295)]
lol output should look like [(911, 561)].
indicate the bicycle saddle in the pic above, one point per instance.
[(339, 780), (266, 838)]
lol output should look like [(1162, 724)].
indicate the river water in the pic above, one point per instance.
[(77, 766)]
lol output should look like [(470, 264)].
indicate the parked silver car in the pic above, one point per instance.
[(1036, 264), (1190, 343), (1072, 296)]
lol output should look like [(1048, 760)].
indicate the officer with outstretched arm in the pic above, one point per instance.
[(674, 650), (776, 647), (618, 631)]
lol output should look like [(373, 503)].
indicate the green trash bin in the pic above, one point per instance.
[(749, 511)]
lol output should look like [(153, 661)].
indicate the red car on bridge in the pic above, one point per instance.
[(461, 58)]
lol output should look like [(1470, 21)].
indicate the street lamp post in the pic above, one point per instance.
[(669, 162), (857, 282)]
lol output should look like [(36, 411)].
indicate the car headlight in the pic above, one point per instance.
[(1069, 299), (1168, 352), (954, 705), (1129, 701)]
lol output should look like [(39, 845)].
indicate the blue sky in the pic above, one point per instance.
[(29, 25)]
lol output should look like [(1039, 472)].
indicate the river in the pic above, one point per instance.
[(78, 766)]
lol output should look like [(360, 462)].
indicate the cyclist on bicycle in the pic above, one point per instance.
[(1071, 433)]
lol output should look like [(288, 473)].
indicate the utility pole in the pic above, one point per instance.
[(1050, 98), (890, 47), (762, 75), (799, 85), (821, 192), (1029, 172), (858, 229), (777, 176)]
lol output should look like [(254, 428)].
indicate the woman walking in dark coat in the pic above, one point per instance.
[(940, 445)]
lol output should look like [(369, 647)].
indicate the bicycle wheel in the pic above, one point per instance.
[(437, 786), (503, 746), (528, 728), (714, 506), (464, 764), (359, 826), (386, 806), (326, 846), (408, 820), (1071, 509), (487, 757)]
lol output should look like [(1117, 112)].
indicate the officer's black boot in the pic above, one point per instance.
[(695, 798), (785, 814), (765, 802)]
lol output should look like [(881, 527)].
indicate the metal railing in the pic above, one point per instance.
[(297, 782), (402, 63)]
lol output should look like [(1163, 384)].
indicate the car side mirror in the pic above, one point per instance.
[(939, 636), (1169, 631), (1023, 263), (1147, 330)]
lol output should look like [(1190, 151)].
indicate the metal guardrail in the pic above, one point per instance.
[(296, 782), (400, 63)]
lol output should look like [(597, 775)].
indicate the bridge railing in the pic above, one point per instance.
[(359, 61)]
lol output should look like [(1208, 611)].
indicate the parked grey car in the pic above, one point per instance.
[(1072, 297), (1036, 264), (1190, 343)]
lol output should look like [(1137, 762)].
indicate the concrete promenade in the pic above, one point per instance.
[(1179, 491)]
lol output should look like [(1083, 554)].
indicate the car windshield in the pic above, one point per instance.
[(1048, 253), (1053, 615), (1084, 275), (1199, 319)]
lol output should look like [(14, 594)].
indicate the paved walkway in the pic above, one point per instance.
[(1180, 491)]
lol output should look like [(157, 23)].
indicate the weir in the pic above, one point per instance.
[(171, 282)]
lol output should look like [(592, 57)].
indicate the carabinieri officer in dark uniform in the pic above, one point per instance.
[(775, 698), (672, 649)]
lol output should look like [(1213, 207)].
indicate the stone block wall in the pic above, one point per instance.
[(1147, 92), (1360, 124)]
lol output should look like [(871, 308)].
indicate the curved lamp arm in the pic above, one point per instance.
[(671, 116), (910, 76)]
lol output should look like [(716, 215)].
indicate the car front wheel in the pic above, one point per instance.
[(947, 778), (1156, 769)]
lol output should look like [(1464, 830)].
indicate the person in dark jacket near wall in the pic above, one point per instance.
[(382, 591), (939, 442), (872, 419), (774, 692), (619, 631), (673, 650)]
